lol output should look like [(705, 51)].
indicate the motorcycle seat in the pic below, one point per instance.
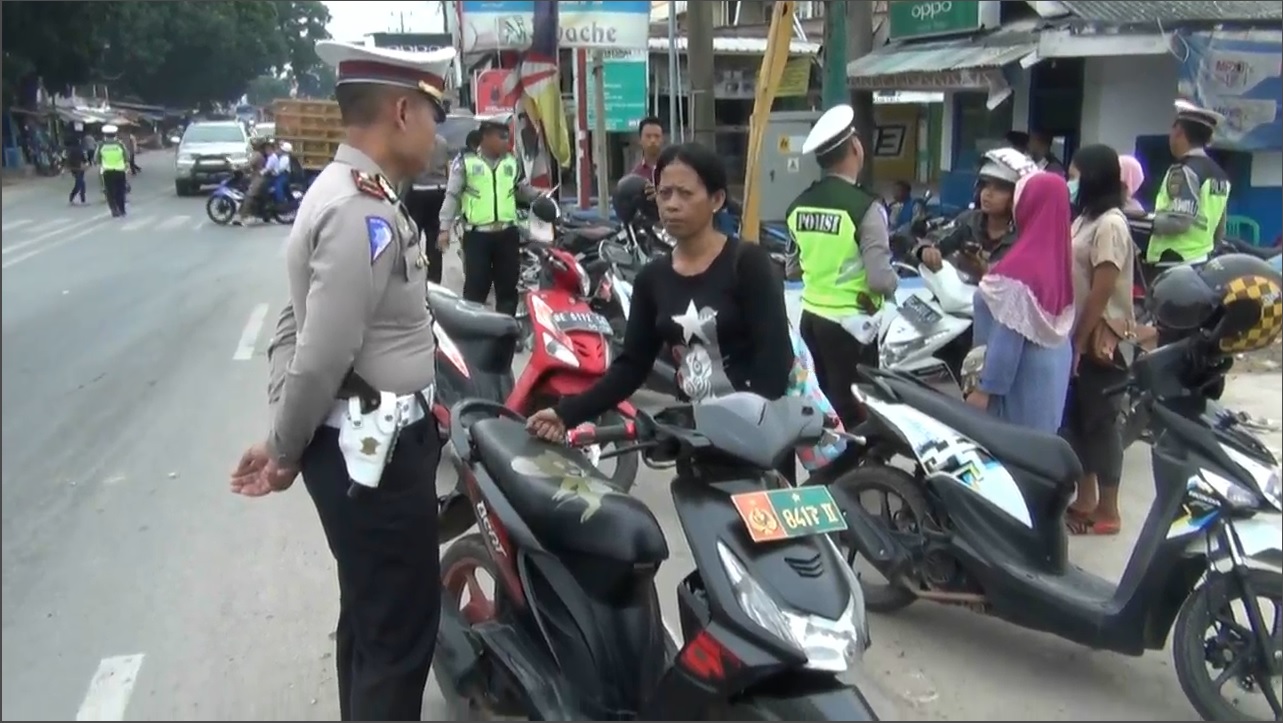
[(469, 320), (1047, 455), (567, 503), (591, 233)]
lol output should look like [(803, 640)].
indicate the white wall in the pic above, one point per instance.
[(1127, 97)]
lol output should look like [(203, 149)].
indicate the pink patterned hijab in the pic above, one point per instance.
[(1133, 174), (1031, 289)]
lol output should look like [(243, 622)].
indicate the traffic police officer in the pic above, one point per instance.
[(424, 200), (350, 361), (1190, 211), (843, 247), (486, 187), (113, 159)]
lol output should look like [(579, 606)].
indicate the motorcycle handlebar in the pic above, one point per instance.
[(588, 435)]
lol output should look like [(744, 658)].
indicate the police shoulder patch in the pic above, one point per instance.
[(381, 234), (368, 183)]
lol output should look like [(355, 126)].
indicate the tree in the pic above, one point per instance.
[(37, 45), (319, 83), (301, 24), (266, 88)]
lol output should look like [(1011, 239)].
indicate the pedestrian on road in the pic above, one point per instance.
[(112, 158), (843, 250), (486, 187), (353, 347), (1103, 268), (1024, 312), (76, 166), (424, 201)]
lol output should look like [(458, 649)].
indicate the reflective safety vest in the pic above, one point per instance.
[(490, 194), (824, 222), (112, 154), (1194, 187)]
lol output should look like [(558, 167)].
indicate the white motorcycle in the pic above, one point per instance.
[(927, 331)]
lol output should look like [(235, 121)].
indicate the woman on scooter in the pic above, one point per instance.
[(986, 233), (1024, 312), (715, 301), (1104, 263)]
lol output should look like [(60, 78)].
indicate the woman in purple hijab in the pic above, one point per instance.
[(1024, 312)]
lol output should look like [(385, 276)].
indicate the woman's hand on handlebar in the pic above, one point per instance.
[(545, 424)]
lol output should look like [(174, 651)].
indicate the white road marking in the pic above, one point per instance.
[(137, 223), (52, 245), (249, 337), (109, 691), (173, 222), (46, 230), (15, 224)]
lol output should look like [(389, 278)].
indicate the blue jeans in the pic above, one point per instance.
[(78, 187)]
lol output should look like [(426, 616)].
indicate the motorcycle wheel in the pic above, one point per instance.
[(220, 209), (459, 566), (285, 216), (889, 482), (1192, 648)]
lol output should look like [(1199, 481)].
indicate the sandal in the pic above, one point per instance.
[(1080, 524)]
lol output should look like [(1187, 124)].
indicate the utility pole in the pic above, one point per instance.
[(859, 42), (674, 76), (699, 63), (835, 55)]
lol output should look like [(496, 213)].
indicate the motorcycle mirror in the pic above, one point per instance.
[(545, 209)]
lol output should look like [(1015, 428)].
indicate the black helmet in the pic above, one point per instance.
[(1239, 297), (630, 200)]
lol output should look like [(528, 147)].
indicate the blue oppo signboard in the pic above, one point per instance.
[(508, 24)]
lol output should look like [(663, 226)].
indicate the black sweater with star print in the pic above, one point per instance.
[(726, 329)]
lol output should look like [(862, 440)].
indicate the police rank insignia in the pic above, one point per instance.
[(372, 184), (380, 233)]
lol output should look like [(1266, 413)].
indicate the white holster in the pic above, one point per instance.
[(366, 440)]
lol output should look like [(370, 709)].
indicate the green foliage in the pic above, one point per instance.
[(266, 88), (173, 53)]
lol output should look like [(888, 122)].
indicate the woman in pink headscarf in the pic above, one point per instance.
[(1133, 177), (1024, 312)]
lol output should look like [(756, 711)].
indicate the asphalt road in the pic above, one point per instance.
[(136, 588)]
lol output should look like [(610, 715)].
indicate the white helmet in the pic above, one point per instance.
[(1007, 165), (285, 147), (109, 130)]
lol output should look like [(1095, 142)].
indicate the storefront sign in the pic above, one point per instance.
[(508, 24), (412, 42), (625, 79), (911, 19), (488, 92), (1237, 74)]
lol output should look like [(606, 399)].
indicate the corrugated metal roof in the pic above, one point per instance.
[(935, 59), (737, 46), (1131, 12)]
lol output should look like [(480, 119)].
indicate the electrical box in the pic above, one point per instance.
[(783, 171)]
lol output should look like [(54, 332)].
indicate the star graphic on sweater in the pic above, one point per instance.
[(694, 322)]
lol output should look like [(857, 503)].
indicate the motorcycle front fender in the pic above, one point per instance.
[(1259, 538), (852, 696)]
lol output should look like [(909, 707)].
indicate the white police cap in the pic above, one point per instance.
[(425, 72), (835, 127), (1191, 112)]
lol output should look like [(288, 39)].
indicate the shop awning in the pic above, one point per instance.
[(947, 65)]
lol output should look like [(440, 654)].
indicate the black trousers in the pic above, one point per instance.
[(425, 209), (1091, 421), (384, 542), (836, 354), (492, 257), (115, 182)]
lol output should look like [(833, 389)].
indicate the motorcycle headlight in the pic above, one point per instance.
[(559, 351), (1265, 477), (829, 645)]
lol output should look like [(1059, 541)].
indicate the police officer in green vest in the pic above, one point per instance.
[(1190, 211), (844, 254), (484, 188), (113, 158)]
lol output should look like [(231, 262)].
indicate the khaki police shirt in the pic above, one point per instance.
[(350, 307), (450, 208)]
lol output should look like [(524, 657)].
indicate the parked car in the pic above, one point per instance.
[(208, 153)]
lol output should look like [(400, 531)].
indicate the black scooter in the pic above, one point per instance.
[(772, 616), (982, 525)]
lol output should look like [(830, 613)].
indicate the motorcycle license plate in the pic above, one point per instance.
[(568, 321), (785, 514), (919, 313)]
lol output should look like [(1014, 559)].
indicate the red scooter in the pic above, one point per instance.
[(570, 347)]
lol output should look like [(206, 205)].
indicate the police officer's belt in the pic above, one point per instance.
[(355, 386), (428, 187), (489, 227)]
